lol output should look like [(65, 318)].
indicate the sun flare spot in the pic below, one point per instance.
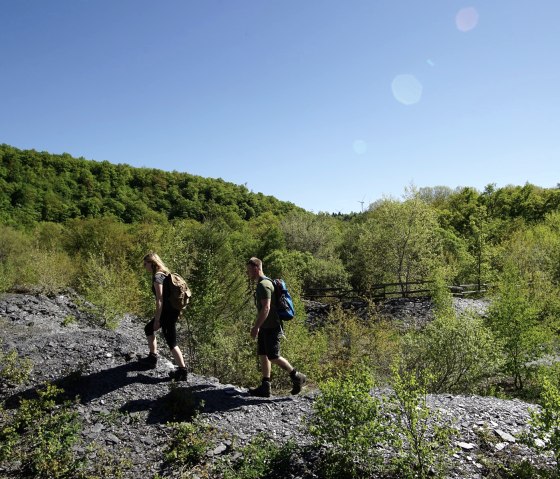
[(407, 89), (466, 19)]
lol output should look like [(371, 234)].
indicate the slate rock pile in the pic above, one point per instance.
[(405, 313), (126, 409)]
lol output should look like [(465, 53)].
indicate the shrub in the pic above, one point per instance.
[(68, 320), (42, 439), (352, 341), (13, 369), (424, 437), (459, 351), (544, 425), (113, 289), (325, 273), (27, 262), (513, 319), (105, 464), (41, 436), (220, 301), (348, 421), (259, 459), (189, 444), (49, 270), (14, 247)]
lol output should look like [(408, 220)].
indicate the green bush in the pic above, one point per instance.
[(544, 425), (230, 356), (68, 320), (221, 302), (112, 288), (459, 351), (41, 439), (424, 437), (259, 459), (513, 318), (50, 270), (349, 423), (14, 250), (13, 369), (28, 262), (352, 341), (325, 273), (41, 436), (189, 444)]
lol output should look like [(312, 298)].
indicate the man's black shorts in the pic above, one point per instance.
[(268, 342)]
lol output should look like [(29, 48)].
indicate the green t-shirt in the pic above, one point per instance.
[(265, 290)]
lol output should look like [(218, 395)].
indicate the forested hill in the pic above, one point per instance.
[(39, 186)]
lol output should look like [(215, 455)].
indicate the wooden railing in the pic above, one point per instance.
[(383, 291)]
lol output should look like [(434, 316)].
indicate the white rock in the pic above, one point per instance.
[(540, 443), (505, 435)]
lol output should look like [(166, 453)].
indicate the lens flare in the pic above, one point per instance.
[(466, 19), (360, 147), (406, 89)]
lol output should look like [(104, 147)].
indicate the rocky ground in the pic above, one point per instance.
[(126, 408)]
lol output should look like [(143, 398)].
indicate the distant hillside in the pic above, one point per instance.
[(39, 186)]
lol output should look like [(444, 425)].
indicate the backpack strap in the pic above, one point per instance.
[(274, 298), (262, 278)]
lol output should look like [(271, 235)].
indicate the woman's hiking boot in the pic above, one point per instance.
[(298, 380), (150, 361), (263, 391), (179, 374)]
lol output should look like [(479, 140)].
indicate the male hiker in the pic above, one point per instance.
[(268, 331)]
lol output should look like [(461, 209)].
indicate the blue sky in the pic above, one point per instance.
[(319, 102)]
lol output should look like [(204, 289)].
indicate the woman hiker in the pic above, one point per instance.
[(165, 318)]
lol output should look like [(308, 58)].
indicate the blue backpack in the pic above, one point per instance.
[(284, 302)]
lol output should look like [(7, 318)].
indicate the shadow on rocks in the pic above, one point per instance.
[(183, 403), (226, 399), (92, 386)]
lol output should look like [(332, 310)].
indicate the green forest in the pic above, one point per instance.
[(75, 224), (43, 187)]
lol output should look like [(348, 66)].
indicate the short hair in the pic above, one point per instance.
[(255, 262)]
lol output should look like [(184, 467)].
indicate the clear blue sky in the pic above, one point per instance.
[(324, 103)]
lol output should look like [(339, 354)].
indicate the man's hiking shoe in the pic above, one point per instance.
[(179, 374), (298, 380), (263, 391), (150, 361)]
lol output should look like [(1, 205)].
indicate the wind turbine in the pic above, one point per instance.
[(362, 203)]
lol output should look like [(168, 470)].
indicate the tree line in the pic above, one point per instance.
[(39, 186)]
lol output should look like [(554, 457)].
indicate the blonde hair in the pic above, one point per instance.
[(156, 262)]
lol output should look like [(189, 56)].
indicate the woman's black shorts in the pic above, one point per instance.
[(168, 322)]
